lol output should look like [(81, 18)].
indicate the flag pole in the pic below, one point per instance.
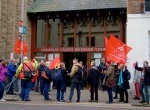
[(22, 19)]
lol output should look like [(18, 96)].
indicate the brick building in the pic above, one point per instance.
[(127, 19), (10, 14), (75, 28)]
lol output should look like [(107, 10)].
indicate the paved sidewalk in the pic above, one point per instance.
[(85, 96)]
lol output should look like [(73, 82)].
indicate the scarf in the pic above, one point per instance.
[(120, 81)]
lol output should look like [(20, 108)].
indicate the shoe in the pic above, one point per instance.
[(141, 101), (91, 100), (62, 101), (120, 100), (78, 101), (8, 93), (27, 100), (2, 100), (136, 98), (115, 98), (13, 94), (125, 101), (108, 102), (96, 100), (68, 101), (48, 99), (16, 90), (146, 102)]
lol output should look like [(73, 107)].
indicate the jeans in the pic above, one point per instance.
[(73, 86), (94, 89), (142, 91), (41, 86), (46, 89), (25, 89), (10, 88), (110, 95), (60, 95), (16, 85), (147, 94), (2, 87), (32, 85)]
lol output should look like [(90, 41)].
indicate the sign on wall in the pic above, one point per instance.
[(72, 49)]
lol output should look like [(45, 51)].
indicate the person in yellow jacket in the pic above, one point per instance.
[(27, 69)]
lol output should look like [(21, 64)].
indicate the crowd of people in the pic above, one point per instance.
[(109, 76)]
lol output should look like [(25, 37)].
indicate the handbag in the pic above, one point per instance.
[(111, 82), (43, 74)]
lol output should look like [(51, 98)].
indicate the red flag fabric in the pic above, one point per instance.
[(35, 77), (21, 75), (17, 47), (106, 41), (55, 62), (20, 23), (116, 50)]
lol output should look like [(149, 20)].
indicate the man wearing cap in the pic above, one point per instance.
[(27, 68)]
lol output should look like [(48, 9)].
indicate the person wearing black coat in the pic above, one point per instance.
[(93, 81), (123, 83), (146, 82)]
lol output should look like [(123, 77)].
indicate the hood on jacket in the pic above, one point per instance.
[(78, 64), (94, 67)]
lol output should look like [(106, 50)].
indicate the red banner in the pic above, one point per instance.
[(116, 50), (17, 47)]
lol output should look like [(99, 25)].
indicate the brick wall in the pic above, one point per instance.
[(10, 14), (135, 6)]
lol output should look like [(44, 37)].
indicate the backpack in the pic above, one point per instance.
[(28, 70), (79, 73), (58, 75)]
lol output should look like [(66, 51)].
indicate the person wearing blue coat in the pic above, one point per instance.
[(11, 72), (61, 85), (46, 77)]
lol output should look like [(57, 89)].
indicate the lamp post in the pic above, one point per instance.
[(22, 19)]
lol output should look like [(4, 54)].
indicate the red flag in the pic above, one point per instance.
[(106, 41), (35, 76), (20, 23), (55, 62), (116, 50), (21, 75), (25, 48), (17, 47)]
